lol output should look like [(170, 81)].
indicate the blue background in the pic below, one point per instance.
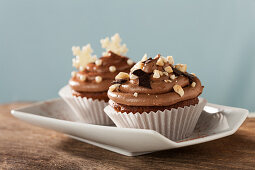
[(216, 39)]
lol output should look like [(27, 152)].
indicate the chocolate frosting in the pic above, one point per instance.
[(161, 92), (92, 71)]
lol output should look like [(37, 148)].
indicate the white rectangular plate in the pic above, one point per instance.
[(55, 114)]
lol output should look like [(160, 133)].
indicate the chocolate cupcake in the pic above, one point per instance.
[(87, 90), (157, 95)]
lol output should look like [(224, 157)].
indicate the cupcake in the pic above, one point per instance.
[(87, 89), (157, 95)]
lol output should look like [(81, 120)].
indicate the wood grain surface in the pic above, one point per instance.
[(23, 146)]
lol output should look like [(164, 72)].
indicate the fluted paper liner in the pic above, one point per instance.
[(86, 110), (175, 124)]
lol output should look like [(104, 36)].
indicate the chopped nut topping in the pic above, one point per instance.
[(168, 81), (178, 89), (160, 62), (132, 76), (170, 59), (73, 74), (157, 56), (181, 67), (135, 94), (164, 59), (112, 68), (130, 62), (193, 74), (122, 75), (161, 73), (81, 68), (166, 73), (144, 57), (168, 69), (98, 62), (172, 77), (193, 84), (98, 79), (137, 66), (156, 74), (82, 77), (113, 87)]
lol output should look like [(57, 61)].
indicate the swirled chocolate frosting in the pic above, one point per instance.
[(156, 82), (97, 76)]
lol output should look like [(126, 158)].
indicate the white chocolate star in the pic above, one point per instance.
[(114, 45), (83, 57)]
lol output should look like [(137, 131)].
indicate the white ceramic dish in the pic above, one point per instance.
[(56, 115)]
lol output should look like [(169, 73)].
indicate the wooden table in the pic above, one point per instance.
[(23, 146)]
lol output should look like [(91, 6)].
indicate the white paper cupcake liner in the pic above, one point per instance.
[(86, 110), (175, 124)]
